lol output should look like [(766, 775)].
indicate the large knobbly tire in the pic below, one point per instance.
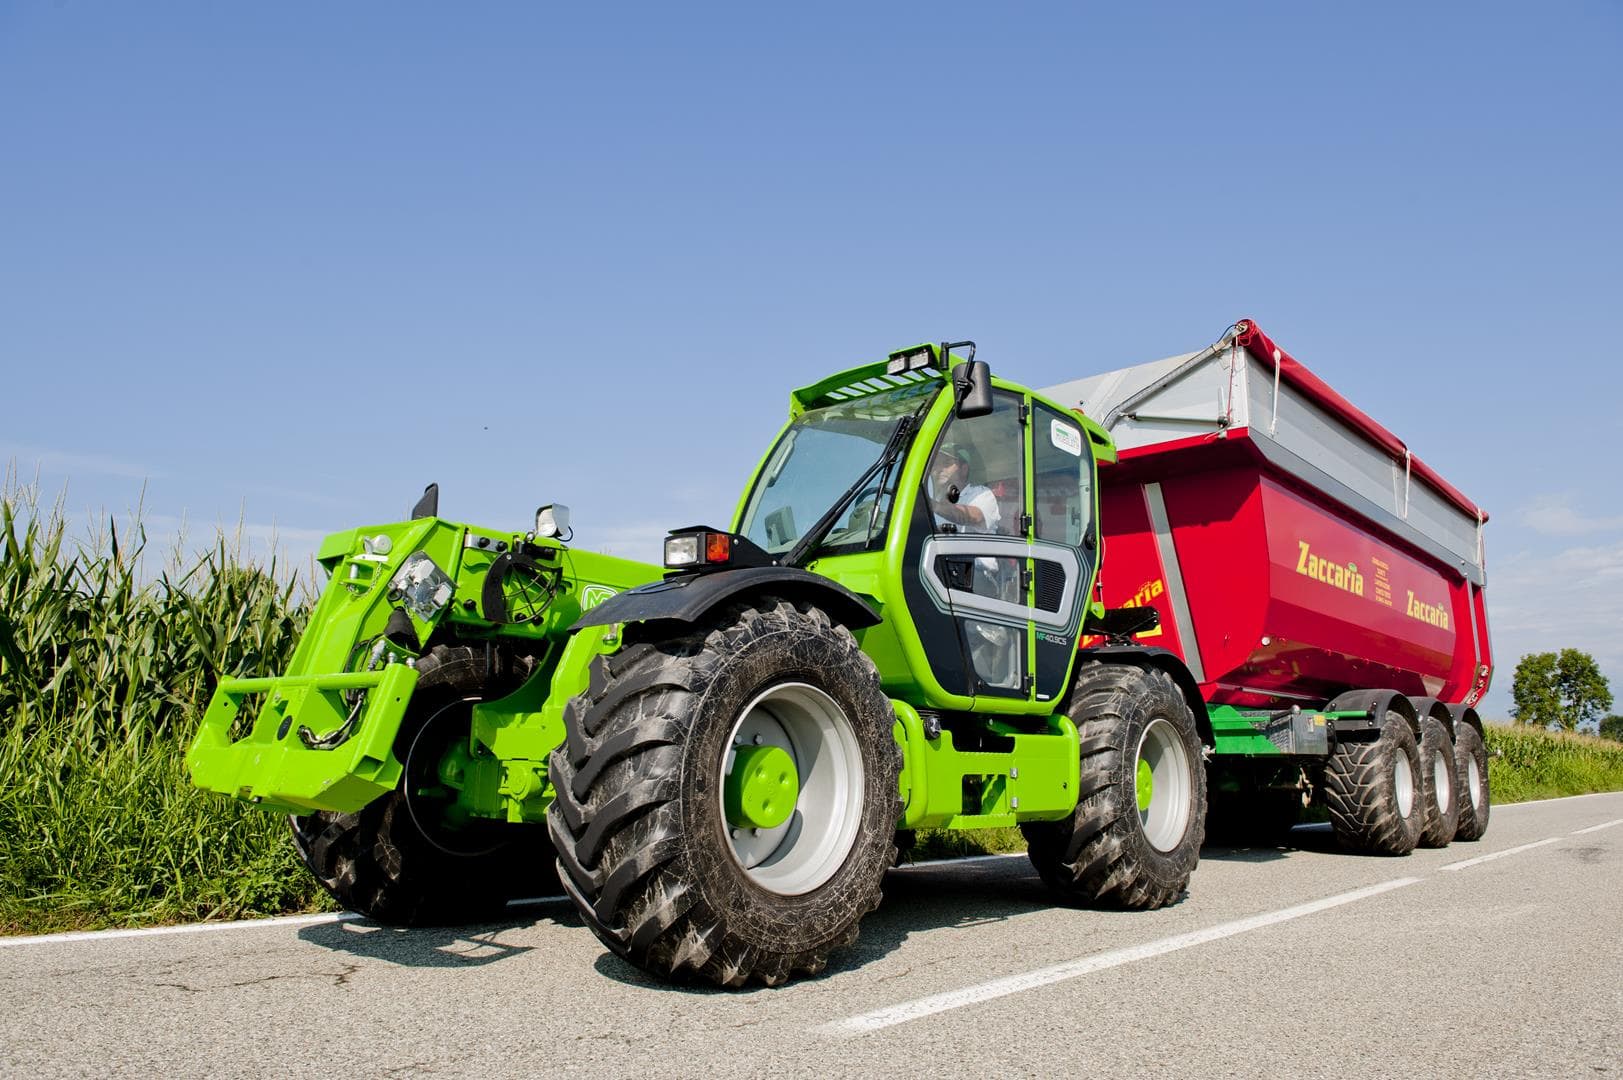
[(1112, 851), (1471, 766), (1439, 784), (1372, 790), (659, 870), (393, 863)]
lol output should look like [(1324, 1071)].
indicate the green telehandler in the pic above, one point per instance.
[(884, 638)]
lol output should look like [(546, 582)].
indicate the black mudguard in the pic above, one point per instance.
[(1374, 704), (1167, 661), (688, 597), (1430, 706)]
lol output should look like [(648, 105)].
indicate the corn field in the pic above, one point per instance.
[(103, 676), (1532, 764)]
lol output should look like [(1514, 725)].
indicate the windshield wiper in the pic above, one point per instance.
[(814, 535)]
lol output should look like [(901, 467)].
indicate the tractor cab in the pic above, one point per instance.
[(961, 507)]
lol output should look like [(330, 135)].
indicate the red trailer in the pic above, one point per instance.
[(1300, 557)]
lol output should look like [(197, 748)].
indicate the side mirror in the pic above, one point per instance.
[(973, 382), (551, 520)]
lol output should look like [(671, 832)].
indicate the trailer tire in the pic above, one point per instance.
[(389, 862), (1372, 790), (661, 870), (1439, 783), (1123, 847), (1471, 766)]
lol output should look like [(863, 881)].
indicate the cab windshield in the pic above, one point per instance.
[(818, 458)]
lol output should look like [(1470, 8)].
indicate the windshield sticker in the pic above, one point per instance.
[(1066, 437)]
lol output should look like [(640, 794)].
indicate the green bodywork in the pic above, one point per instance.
[(1020, 757), (253, 742)]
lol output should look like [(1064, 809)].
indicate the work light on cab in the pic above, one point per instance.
[(915, 359)]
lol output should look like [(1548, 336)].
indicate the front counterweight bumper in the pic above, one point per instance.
[(312, 746)]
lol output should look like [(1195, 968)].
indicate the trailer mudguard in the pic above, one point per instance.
[(1430, 706), (1374, 704), (1464, 714), (1169, 662), (689, 597)]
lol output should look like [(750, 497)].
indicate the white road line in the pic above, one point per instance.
[(1500, 807), (1598, 828), (1031, 980), (1480, 859), (188, 928), (238, 924)]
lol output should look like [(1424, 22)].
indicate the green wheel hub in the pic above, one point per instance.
[(761, 790), (1146, 785)]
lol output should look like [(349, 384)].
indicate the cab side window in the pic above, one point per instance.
[(1061, 478), (980, 464)]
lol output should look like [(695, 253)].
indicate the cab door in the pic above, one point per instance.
[(999, 609), (1063, 544), (970, 587)]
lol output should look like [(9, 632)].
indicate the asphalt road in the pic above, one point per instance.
[(1499, 958)]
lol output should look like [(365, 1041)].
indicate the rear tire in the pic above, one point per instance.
[(1471, 766), (1372, 790), (393, 861), (1133, 841), (646, 847), (1439, 783)]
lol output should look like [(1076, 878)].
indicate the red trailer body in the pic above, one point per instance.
[(1293, 548)]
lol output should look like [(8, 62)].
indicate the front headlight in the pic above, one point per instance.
[(682, 550)]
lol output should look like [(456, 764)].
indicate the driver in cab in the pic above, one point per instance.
[(953, 500)]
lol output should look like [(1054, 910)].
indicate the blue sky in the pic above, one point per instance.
[(288, 262)]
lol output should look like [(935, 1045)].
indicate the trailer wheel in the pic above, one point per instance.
[(1439, 782), (727, 800), (396, 860), (1471, 766), (1373, 791), (1134, 839)]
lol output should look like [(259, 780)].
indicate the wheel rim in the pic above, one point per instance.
[(1403, 784), (428, 801), (1474, 776), (1161, 785), (1440, 782), (813, 842)]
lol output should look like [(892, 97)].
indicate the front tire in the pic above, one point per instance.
[(1134, 839), (647, 820), (395, 860), (1372, 790)]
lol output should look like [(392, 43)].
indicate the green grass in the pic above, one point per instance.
[(103, 676), (105, 671)]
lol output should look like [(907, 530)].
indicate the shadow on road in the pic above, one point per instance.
[(917, 899), (1315, 838), (431, 947)]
